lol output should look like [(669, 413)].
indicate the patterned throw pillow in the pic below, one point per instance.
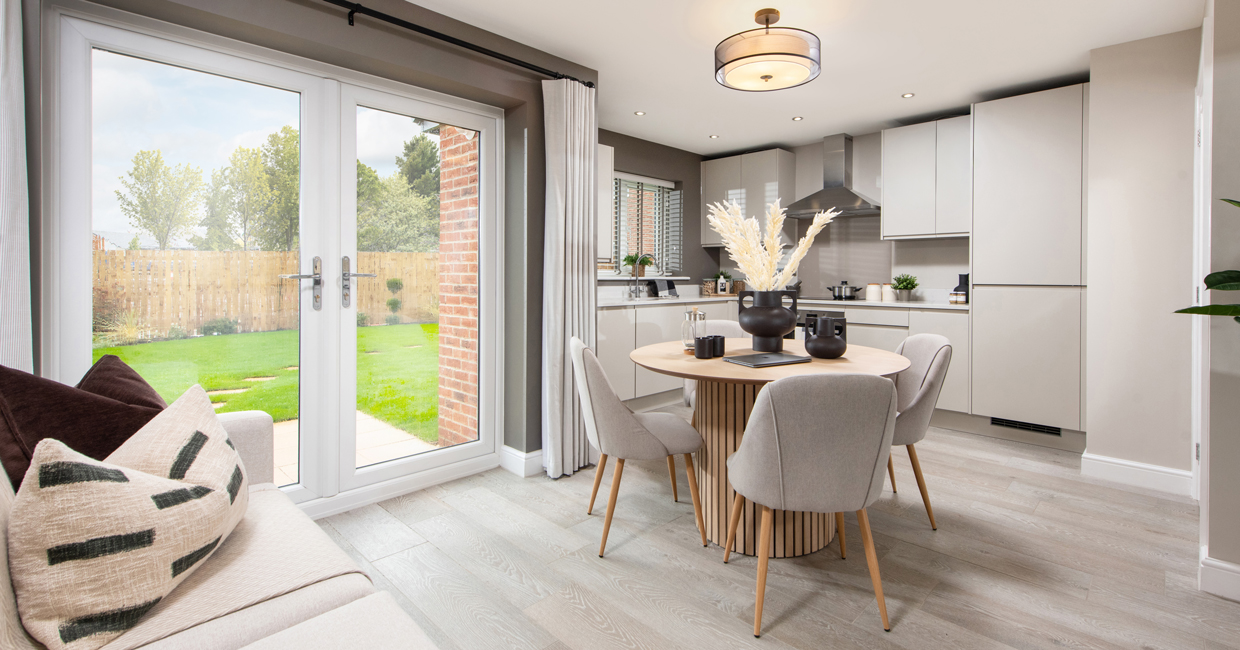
[(94, 546)]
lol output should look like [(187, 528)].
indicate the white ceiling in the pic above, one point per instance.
[(657, 56)]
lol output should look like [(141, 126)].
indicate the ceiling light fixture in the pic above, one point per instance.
[(907, 95), (639, 112), (714, 137), (768, 58), (797, 119)]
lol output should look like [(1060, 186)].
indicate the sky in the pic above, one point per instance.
[(199, 119)]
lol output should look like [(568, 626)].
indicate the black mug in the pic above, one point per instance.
[(703, 348), (719, 345)]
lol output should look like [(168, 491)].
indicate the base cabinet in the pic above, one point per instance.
[(882, 337), (1027, 354), (954, 325), (624, 329), (617, 329)]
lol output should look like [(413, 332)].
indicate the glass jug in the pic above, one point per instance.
[(693, 327)]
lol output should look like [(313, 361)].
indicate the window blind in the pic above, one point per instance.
[(648, 221)]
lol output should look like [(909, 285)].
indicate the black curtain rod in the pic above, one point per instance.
[(355, 8)]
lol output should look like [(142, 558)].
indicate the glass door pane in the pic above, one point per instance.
[(195, 215), (417, 318)]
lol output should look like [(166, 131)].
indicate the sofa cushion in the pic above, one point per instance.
[(375, 621), (33, 408), (111, 377), (275, 550), (12, 634), (95, 545)]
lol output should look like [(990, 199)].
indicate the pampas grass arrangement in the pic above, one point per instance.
[(756, 253)]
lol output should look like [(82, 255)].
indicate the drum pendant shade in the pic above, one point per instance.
[(767, 58)]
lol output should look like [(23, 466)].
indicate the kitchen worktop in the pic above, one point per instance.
[(817, 304)]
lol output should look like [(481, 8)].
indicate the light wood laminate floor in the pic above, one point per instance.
[(1029, 554)]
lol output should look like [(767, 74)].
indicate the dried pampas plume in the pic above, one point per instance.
[(757, 256)]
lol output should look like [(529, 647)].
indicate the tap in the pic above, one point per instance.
[(635, 290)]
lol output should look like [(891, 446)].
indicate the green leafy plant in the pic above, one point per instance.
[(904, 282), (722, 274), (394, 304), (176, 333), (395, 285), (363, 319), (1221, 281), (632, 260), (219, 326), (392, 319)]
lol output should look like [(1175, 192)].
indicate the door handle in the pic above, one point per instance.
[(346, 276), (317, 288)]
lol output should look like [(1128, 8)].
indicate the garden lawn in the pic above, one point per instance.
[(397, 372)]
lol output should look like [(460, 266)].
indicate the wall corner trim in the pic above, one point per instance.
[(1219, 577), (1130, 472), (523, 464)]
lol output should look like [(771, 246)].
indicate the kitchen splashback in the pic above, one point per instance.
[(848, 249)]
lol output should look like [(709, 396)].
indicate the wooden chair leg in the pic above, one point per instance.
[(693, 491), (737, 504), (871, 558), (598, 478), (693, 419), (839, 530), (764, 552), (891, 469), (921, 485), (611, 504), (671, 471)]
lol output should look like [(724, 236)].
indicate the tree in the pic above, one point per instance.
[(250, 193), (159, 199), (367, 184), (280, 225), (134, 244), (218, 219), (419, 164), (397, 219)]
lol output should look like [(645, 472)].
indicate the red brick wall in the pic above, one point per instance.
[(458, 286)]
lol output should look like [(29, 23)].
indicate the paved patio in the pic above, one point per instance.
[(377, 442)]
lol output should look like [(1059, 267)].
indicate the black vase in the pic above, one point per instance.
[(963, 287), (767, 320), (826, 344)]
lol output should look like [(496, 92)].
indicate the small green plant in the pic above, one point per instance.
[(392, 319), (1220, 281), (217, 326), (363, 319), (176, 333), (722, 274), (394, 304), (395, 285), (633, 260), (126, 327), (904, 282), (134, 244)]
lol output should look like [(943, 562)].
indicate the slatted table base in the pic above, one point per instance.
[(722, 409)]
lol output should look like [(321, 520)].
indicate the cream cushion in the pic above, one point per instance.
[(94, 546)]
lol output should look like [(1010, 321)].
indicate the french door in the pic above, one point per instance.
[(297, 240)]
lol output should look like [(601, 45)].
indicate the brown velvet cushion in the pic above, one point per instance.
[(111, 377), (33, 408)]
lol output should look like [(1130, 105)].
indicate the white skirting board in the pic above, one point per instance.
[(521, 463), (1129, 472), (1219, 578)]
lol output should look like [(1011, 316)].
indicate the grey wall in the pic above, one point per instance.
[(317, 31), (1224, 452), (646, 158), (1140, 249)]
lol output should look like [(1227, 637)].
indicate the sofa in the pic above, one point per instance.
[(277, 582)]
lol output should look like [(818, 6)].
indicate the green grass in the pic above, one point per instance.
[(397, 372)]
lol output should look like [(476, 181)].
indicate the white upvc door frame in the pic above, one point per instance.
[(71, 29)]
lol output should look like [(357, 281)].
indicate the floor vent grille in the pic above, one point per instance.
[(1026, 426)]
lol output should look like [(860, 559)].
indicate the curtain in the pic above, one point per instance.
[(568, 267), (16, 341)]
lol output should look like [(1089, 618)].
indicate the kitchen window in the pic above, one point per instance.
[(647, 220)]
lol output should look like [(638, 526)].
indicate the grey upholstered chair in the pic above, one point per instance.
[(725, 328), (823, 454), (918, 389), (615, 431)]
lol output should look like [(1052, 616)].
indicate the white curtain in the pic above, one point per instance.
[(568, 267), (16, 342)]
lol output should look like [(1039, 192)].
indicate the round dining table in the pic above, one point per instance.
[(725, 396)]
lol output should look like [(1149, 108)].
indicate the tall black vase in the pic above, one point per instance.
[(767, 320), (963, 287)]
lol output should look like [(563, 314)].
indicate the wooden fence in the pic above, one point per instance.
[(162, 289)]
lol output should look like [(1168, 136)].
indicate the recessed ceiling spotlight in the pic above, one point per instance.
[(714, 137), (797, 119), (907, 95), (639, 112)]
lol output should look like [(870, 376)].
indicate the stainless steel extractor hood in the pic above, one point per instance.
[(836, 176)]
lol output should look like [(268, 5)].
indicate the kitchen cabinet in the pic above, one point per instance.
[(882, 337), (606, 201), (1026, 354), (1028, 188), (954, 325), (617, 330), (927, 179), (753, 180)]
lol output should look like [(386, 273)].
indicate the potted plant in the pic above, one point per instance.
[(1220, 281), (639, 264), (903, 285)]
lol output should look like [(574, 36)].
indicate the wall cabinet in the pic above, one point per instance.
[(1026, 356), (753, 180), (955, 326), (1027, 188), (927, 179)]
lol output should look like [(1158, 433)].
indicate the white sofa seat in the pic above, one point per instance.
[(375, 621)]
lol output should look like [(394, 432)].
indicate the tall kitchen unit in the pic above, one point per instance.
[(1028, 298)]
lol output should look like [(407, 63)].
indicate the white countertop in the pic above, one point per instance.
[(837, 304), (652, 302)]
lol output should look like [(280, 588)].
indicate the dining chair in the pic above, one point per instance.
[(822, 454), (725, 328), (617, 432), (917, 390)]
